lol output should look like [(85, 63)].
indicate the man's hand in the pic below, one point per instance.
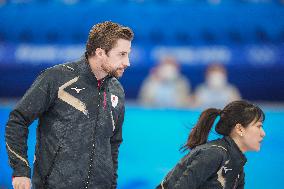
[(21, 183)]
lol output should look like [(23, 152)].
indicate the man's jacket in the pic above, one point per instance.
[(214, 165), (79, 129)]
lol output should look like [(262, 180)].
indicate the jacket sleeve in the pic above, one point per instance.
[(241, 183), (35, 101), (200, 167), (116, 140)]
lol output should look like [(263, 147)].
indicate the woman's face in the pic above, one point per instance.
[(252, 136)]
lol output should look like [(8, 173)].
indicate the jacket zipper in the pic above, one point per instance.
[(93, 145)]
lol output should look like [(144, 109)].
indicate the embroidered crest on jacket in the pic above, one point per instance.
[(114, 100)]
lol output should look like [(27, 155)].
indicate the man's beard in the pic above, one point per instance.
[(116, 73), (112, 72)]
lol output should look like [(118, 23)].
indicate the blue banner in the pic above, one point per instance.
[(258, 55)]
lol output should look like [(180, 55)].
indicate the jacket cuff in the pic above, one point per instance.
[(22, 172)]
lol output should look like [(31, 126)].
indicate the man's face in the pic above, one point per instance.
[(117, 59)]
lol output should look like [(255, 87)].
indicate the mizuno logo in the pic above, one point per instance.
[(71, 100), (77, 90), (221, 178), (226, 169)]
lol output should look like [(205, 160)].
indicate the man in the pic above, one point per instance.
[(80, 107)]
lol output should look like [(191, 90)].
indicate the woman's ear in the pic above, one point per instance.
[(240, 129)]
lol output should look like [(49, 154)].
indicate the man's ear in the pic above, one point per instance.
[(100, 52)]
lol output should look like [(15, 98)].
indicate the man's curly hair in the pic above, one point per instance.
[(105, 35)]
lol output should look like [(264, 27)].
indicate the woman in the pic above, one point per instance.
[(219, 163)]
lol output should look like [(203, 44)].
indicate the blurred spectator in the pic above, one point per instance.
[(216, 91), (165, 86)]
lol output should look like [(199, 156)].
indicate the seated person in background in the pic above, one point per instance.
[(165, 86), (216, 91)]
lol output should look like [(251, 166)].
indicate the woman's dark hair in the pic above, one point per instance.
[(241, 112)]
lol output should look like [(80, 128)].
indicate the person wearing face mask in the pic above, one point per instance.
[(216, 91), (165, 86)]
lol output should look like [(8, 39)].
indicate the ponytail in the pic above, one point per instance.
[(237, 112), (200, 132)]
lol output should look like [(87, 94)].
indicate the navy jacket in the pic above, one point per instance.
[(215, 165), (79, 129)]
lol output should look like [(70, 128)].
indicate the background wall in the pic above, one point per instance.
[(246, 36)]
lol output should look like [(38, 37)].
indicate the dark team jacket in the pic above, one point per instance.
[(214, 165), (79, 129)]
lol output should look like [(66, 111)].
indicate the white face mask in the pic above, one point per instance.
[(216, 79), (168, 72)]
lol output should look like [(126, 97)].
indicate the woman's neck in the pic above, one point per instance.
[(237, 140)]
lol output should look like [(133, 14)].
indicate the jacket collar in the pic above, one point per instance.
[(235, 150), (86, 71)]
